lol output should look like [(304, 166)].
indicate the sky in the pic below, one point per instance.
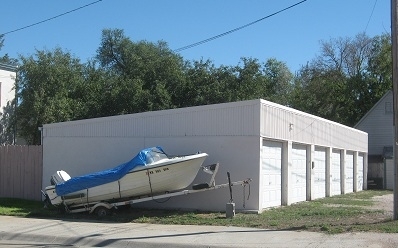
[(292, 36)]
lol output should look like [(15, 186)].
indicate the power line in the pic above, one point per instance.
[(235, 29), (49, 19), (370, 17)]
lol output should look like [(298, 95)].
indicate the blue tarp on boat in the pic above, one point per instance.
[(144, 157)]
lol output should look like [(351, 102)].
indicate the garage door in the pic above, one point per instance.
[(335, 181), (359, 176), (349, 172), (271, 174), (318, 187), (297, 186)]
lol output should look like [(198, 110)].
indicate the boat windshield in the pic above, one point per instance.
[(155, 155)]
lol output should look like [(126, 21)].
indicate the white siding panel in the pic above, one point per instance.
[(284, 123), (379, 125), (212, 120)]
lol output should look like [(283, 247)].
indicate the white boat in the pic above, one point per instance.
[(150, 173)]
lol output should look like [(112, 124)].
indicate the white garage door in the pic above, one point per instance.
[(335, 181), (349, 172), (318, 187), (360, 173), (297, 186), (271, 174)]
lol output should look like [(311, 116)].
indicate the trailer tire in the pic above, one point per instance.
[(101, 211), (200, 186)]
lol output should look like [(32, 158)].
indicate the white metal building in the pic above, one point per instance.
[(290, 155)]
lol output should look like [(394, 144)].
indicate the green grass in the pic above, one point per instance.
[(343, 213)]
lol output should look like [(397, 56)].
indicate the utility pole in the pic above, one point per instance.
[(394, 41)]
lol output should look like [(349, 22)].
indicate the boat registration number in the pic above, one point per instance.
[(150, 172)]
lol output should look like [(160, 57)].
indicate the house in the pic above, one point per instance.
[(7, 82), (291, 156), (8, 75), (378, 123)]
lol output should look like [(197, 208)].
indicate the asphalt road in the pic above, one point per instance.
[(29, 232)]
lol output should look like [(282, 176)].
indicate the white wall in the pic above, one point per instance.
[(236, 154), (283, 123), (7, 79), (379, 125)]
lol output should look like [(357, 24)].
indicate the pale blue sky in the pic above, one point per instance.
[(292, 36)]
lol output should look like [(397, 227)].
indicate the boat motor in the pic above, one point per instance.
[(59, 177)]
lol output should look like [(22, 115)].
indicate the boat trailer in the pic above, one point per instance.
[(102, 208)]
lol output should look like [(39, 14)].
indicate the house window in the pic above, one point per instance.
[(388, 108)]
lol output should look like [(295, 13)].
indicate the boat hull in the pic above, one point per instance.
[(164, 176)]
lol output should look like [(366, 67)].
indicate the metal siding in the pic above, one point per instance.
[(379, 125), (284, 123), (212, 120)]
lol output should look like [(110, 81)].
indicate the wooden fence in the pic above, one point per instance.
[(21, 170)]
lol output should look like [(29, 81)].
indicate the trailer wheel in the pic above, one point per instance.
[(200, 186), (101, 211)]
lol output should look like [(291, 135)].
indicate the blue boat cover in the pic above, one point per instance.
[(144, 157)]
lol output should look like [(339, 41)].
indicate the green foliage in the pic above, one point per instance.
[(144, 74), (250, 79), (5, 59), (47, 83), (7, 127), (346, 80)]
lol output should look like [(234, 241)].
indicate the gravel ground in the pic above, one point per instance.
[(385, 203)]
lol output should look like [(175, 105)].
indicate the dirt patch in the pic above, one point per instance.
[(384, 203)]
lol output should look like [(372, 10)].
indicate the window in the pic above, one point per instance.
[(388, 108)]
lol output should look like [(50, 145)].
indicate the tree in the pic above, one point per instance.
[(147, 74), (7, 129), (279, 81), (346, 80), (250, 79), (5, 58), (204, 84), (47, 83), (320, 93)]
